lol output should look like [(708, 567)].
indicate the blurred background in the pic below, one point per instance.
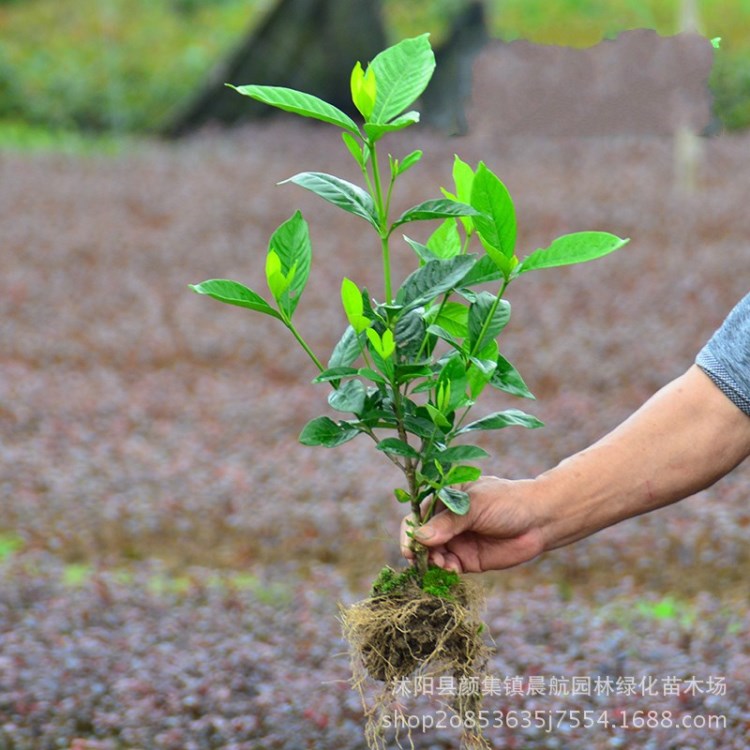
[(171, 559)]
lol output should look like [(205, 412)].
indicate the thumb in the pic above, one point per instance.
[(441, 529)]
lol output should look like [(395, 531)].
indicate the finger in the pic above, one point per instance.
[(441, 529)]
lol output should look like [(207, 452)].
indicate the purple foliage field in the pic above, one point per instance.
[(148, 439)]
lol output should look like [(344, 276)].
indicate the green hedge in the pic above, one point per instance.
[(125, 65)]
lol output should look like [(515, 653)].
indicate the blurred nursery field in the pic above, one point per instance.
[(173, 558)]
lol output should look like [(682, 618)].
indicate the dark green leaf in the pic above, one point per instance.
[(298, 103), (498, 420), (484, 324), (441, 208), (402, 73), (409, 333), (370, 374), (507, 378), (349, 397), (335, 373), (496, 223), (324, 431), (339, 192), (455, 500), (571, 248), (347, 350), (444, 335), (397, 448), (234, 293), (433, 279), (291, 242)]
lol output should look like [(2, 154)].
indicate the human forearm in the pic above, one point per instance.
[(682, 440)]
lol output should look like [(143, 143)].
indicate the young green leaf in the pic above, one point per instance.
[(339, 192), (350, 397), (291, 243), (402, 73), (461, 474), (498, 420), (277, 282), (397, 448), (358, 150), (384, 345), (351, 298), (298, 103), (496, 223), (234, 293), (364, 88), (324, 431), (445, 241), (408, 162), (455, 500), (402, 495), (578, 247)]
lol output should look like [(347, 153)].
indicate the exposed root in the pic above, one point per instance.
[(408, 633)]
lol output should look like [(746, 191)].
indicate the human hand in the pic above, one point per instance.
[(500, 529)]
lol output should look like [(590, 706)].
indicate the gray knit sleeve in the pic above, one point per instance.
[(726, 356)]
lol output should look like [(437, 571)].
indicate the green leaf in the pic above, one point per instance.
[(402, 73), (463, 179), (324, 431), (445, 241), (336, 373), (234, 293), (397, 448), (484, 324), (452, 317), (376, 131), (498, 420), (437, 417), (496, 223), (291, 242), (409, 333), (408, 162), (349, 397), (455, 500), (440, 208), (444, 335), (423, 252), (461, 474), (578, 247), (363, 87), (485, 270), (373, 375), (453, 379), (506, 378), (341, 193), (433, 279), (460, 453), (384, 345), (351, 298), (347, 350), (298, 103), (402, 495), (355, 147)]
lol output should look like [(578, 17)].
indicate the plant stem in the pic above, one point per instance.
[(288, 323), (382, 221)]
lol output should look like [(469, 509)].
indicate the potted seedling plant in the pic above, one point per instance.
[(413, 358)]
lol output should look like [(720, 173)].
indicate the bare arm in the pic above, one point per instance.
[(687, 436)]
